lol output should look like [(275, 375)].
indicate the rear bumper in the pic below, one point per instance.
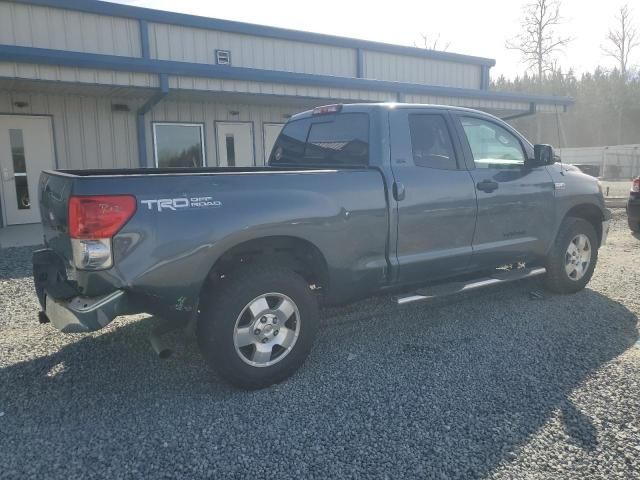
[(64, 305), (85, 314)]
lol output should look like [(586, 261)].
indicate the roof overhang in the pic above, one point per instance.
[(42, 56)]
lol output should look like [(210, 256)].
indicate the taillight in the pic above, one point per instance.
[(93, 221), (635, 186)]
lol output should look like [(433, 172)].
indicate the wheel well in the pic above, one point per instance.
[(591, 214), (299, 255)]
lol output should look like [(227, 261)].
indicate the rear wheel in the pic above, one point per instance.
[(259, 327), (572, 260)]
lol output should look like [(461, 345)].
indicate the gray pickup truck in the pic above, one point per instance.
[(356, 200)]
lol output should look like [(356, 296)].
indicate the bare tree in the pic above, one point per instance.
[(622, 40), (432, 43), (539, 42)]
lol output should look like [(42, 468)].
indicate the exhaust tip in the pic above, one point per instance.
[(42, 318), (160, 346)]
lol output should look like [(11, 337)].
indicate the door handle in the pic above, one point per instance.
[(398, 191), (487, 186)]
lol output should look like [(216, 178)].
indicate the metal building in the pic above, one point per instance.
[(89, 84)]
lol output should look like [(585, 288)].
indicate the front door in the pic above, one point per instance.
[(436, 199), (235, 144), (26, 148), (516, 210)]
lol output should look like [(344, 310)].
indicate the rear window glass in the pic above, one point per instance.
[(332, 141)]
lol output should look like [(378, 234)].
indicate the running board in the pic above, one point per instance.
[(458, 287)]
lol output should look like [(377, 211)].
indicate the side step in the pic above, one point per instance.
[(458, 287)]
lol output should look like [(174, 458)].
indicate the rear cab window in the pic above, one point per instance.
[(328, 141)]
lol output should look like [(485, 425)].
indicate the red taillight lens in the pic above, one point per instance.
[(99, 216), (635, 186)]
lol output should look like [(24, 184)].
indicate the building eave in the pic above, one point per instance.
[(32, 55)]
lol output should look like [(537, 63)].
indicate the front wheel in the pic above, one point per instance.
[(259, 327), (573, 257)]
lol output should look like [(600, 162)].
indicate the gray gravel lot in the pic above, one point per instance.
[(493, 384)]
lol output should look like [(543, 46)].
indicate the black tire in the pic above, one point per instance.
[(220, 312), (557, 280), (634, 227)]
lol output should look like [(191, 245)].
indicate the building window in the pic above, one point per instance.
[(223, 57), (179, 144)]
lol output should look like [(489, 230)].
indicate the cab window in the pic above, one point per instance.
[(492, 146)]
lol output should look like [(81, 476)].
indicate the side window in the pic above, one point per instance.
[(340, 142), (492, 146), (431, 143), (289, 146), (330, 141)]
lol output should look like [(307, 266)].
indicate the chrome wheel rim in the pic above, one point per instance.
[(578, 257), (266, 330)]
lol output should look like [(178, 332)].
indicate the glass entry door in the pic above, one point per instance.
[(26, 148)]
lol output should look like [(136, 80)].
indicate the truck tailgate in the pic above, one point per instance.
[(54, 192)]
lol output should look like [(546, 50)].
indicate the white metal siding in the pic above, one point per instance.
[(45, 27), (263, 88), (400, 68), (78, 75), (87, 133), (184, 44)]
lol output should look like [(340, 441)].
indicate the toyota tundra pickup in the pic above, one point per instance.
[(355, 200)]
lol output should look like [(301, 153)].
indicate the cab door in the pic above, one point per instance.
[(434, 196), (516, 210)]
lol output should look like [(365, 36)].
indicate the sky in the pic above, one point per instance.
[(478, 27)]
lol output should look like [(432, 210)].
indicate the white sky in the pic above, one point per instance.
[(474, 27)]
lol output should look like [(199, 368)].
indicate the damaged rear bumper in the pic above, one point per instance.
[(63, 303), (86, 314)]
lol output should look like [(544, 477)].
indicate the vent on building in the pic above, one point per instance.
[(223, 57)]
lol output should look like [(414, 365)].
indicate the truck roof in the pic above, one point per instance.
[(361, 107)]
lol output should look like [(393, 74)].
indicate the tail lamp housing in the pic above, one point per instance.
[(93, 222), (635, 185)]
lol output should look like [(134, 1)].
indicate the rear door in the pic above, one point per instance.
[(515, 203), (435, 195)]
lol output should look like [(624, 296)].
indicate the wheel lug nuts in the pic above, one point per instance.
[(265, 340), (263, 320), (257, 331), (275, 320), (275, 333)]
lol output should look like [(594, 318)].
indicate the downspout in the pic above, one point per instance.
[(140, 127)]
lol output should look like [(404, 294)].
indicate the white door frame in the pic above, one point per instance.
[(236, 122), (54, 165)]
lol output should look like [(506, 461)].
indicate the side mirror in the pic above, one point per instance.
[(542, 155)]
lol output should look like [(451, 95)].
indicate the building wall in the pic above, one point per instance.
[(88, 76), (184, 44), (399, 68), (68, 30), (45, 27), (87, 133), (210, 112)]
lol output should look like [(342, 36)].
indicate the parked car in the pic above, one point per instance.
[(356, 200), (633, 206)]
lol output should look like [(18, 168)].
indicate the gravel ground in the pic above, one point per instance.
[(494, 384)]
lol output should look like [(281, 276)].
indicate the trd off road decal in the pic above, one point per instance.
[(180, 203)]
